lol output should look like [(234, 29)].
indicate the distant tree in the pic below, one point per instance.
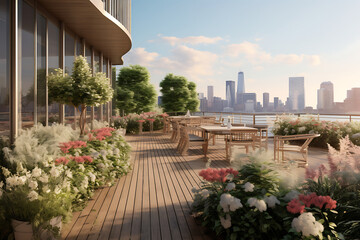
[(178, 95), (135, 93), (81, 89)]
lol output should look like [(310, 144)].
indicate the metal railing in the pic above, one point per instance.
[(269, 118), (121, 10)]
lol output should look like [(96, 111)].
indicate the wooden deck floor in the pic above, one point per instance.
[(153, 201)]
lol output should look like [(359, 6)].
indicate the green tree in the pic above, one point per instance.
[(135, 93), (81, 89), (178, 95)]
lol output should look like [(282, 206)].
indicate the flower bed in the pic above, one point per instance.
[(131, 122), (330, 131), (253, 202), (50, 172)]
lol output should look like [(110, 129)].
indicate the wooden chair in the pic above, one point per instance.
[(241, 138), (281, 146), (208, 120), (187, 139), (175, 131)]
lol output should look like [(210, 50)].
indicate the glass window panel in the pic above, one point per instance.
[(26, 64), (53, 63), (41, 69), (69, 53), (69, 63), (88, 55), (96, 62), (105, 66), (79, 48), (4, 68)]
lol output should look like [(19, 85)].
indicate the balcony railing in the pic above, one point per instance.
[(121, 10)]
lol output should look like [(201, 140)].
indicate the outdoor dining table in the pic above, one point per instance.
[(219, 130)]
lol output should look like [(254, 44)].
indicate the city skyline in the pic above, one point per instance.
[(268, 52)]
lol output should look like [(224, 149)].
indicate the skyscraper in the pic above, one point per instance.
[(210, 96), (325, 96), (266, 99), (230, 93), (296, 93), (276, 103), (241, 83)]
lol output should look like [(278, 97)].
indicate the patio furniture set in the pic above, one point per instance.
[(200, 130)]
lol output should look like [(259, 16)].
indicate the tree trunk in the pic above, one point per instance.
[(82, 120)]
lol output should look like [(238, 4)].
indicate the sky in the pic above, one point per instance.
[(210, 41)]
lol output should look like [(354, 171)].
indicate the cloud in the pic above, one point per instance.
[(192, 40), (141, 56), (182, 60), (253, 53)]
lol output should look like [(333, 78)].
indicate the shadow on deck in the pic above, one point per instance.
[(153, 201)]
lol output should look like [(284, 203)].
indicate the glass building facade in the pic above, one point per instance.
[(33, 43)]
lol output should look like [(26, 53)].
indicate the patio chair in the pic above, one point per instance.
[(243, 138), (187, 139), (281, 146), (175, 131), (208, 120)]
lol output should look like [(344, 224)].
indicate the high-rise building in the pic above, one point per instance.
[(296, 93), (203, 105), (230, 93), (210, 96), (241, 83), (276, 103), (352, 100), (266, 100), (201, 95), (159, 100), (325, 96)]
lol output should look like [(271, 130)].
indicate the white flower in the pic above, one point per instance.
[(205, 193), (95, 155), (101, 165), (46, 189), (226, 222), (81, 167), (85, 182), (271, 201), (230, 186), (19, 167), (1, 184), (21, 180), (291, 195), (116, 151), (103, 152), (5, 171), (92, 176), (229, 203), (33, 196), (57, 190), (1, 192), (54, 172), (33, 185), (259, 204), (11, 181), (249, 187), (76, 190), (302, 129), (307, 225), (44, 179), (69, 174)]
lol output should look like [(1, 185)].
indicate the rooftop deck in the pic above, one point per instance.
[(153, 201)]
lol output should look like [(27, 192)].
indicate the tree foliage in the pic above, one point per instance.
[(178, 95), (81, 89), (135, 93)]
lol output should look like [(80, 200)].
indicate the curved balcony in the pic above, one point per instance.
[(91, 20)]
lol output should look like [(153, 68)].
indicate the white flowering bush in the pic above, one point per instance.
[(250, 204), (51, 172), (330, 131), (36, 196)]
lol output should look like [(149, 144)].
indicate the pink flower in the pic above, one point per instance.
[(62, 160), (295, 206), (141, 121), (65, 147), (217, 175), (151, 119)]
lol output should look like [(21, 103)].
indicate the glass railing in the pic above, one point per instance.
[(121, 10)]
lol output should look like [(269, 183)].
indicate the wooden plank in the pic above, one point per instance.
[(146, 218), (83, 215), (120, 212)]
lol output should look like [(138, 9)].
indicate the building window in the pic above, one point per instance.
[(26, 64), (41, 69), (53, 63), (4, 68), (79, 48), (88, 55), (69, 63), (97, 110)]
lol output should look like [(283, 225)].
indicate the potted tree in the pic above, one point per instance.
[(81, 89)]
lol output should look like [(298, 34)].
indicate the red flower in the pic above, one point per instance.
[(295, 206), (217, 175)]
